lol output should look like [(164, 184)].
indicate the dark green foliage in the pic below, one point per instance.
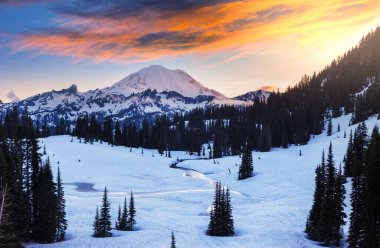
[(364, 219), (329, 127), (61, 213), (8, 232), (172, 243), (312, 224), (32, 194), (46, 226), (221, 220), (118, 220), (246, 167), (123, 220), (131, 214), (102, 223), (118, 135), (96, 226), (326, 217), (371, 215), (349, 158)]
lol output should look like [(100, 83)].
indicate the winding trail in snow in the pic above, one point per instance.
[(199, 175)]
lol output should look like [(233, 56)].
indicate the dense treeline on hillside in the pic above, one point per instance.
[(34, 205), (326, 217), (362, 163)]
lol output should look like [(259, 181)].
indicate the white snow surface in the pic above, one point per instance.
[(161, 79), (269, 209)]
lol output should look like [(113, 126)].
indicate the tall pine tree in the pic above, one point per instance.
[(312, 224), (221, 220), (46, 225), (131, 214), (104, 222), (61, 213)]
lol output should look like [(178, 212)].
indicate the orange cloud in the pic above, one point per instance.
[(268, 88), (141, 34)]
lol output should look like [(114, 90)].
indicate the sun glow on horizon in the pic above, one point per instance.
[(260, 43)]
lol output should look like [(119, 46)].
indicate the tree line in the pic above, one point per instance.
[(326, 217), (362, 165), (34, 205)]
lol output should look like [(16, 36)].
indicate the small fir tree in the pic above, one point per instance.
[(131, 213), (123, 223), (329, 127), (118, 220), (104, 217), (173, 243), (96, 226), (246, 167)]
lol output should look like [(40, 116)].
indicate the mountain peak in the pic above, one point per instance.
[(73, 89), (157, 77), (261, 95)]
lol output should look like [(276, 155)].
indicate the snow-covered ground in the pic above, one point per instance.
[(269, 209)]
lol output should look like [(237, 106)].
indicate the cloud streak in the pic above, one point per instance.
[(130, 31), (12, 96)]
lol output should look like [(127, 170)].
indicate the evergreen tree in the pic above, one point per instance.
[(118, 221), (312, 224), (8, 233), (61, 213), (46, 226), (246, 167), (327, 214), (124, 217), (213, 227), (348, 163), (96, 226), (332, 214), (339, 215), (131, 214), (329, 127), (172, 243), (326, 225), (371, 215), (221, 220), (228, 215), (358, 193), (104, 222)]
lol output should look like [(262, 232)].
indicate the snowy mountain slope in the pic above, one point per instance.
[(269, 209), (151, 91), (157, 77), (261, 95)]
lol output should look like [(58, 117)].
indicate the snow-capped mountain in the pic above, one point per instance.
[(252, 96), (151, 91), (161, 79)]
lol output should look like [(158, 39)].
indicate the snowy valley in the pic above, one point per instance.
[(269, 209)]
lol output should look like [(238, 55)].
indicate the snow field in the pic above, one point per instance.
[(269, 209)]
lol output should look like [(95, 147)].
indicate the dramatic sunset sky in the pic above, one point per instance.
[(231, 46)]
